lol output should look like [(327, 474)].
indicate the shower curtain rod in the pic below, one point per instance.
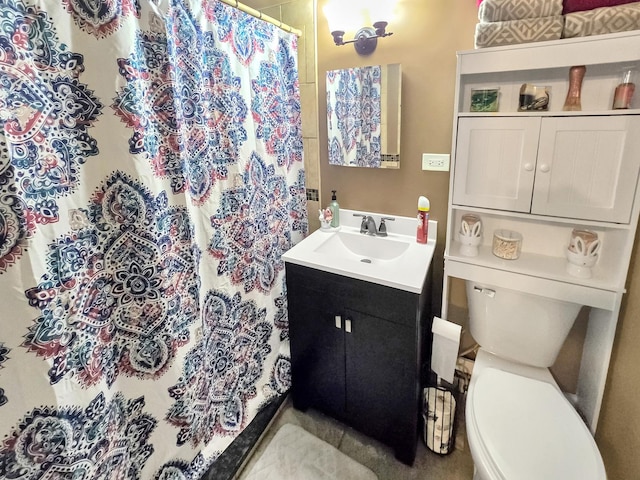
[(262, 16)]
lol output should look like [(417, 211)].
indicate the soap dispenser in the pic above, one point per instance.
[(335, 210)]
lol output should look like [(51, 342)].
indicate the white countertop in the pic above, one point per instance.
[(405, 272)]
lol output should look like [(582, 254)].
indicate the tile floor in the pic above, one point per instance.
[(370, 453)]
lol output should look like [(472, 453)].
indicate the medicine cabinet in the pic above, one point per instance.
[(364, 106)]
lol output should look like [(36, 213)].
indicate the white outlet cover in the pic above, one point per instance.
[(438, 162)]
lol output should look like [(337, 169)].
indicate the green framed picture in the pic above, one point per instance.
[(484, 100)]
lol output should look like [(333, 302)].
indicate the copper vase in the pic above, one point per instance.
[(576, 75)]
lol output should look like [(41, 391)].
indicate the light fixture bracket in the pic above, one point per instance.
[(338, 37), (365, 40)]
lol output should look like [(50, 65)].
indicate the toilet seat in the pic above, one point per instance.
[(525, 429)]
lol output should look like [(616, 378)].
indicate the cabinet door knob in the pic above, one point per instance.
[(347, 325), (338, 320), (528, 166), (544, 168)]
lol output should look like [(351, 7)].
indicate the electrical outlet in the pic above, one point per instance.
[(438, 162)]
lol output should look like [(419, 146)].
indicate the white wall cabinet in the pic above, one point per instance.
[(576, 167), (495, 162), (545, 173)]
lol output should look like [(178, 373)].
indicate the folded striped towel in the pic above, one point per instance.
[(505, 10), (518, 31), (621, 18)]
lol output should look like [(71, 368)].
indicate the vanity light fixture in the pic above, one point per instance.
[(340, 17)]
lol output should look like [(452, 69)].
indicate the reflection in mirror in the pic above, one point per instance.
[(363, 116)]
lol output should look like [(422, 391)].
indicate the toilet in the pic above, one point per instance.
[(520, 426)]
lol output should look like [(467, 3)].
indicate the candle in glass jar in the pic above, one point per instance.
[(507, 244), (624, 91)]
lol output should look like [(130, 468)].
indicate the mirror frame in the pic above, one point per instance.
[(368, 93)]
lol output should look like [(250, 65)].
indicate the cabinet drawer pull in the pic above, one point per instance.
[(544, 168), (347, 325), (338, 319), (528, 166)]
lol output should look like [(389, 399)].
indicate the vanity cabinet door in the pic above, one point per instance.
[(356, 353), (317, 349), (382, 381), (495, 162), (587, 167)]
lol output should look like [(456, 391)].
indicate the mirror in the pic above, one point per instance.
[(363, 116)]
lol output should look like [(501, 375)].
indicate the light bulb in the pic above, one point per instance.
[(346, 17), (381, 10)]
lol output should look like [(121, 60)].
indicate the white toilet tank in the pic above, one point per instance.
[(519, 326)]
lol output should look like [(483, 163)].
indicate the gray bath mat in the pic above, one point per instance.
[(295, 454)]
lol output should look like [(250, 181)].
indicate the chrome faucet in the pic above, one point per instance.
[(368, 225)]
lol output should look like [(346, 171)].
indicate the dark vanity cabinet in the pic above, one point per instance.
[(356, 352)]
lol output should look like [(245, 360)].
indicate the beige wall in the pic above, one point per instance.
[(426, 37)]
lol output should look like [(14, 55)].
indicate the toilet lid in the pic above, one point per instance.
[(530, 430)]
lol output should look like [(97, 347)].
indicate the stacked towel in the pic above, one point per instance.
[(505, 10), (518, 31), (621, 18), (505, 22)]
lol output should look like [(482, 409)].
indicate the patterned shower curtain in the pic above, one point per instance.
[(354, 116), (150, 179)]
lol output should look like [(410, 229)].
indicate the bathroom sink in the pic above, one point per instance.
[(396, 260), (356, 246)]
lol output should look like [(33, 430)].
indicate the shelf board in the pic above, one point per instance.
[(531, 217), (591, 50), (541, 266), (633, 111)]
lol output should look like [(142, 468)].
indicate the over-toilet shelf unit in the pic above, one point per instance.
[(545, 173)]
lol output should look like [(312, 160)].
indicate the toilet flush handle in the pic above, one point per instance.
[(487, 291)]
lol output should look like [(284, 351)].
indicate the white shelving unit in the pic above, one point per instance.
[(610, 189)]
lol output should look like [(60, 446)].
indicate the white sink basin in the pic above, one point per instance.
[(396, 261), (356, 246)]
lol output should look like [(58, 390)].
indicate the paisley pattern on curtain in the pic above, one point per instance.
[(127, 284), (151, 177), (46, 113), (103, 17), (354, 116)]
